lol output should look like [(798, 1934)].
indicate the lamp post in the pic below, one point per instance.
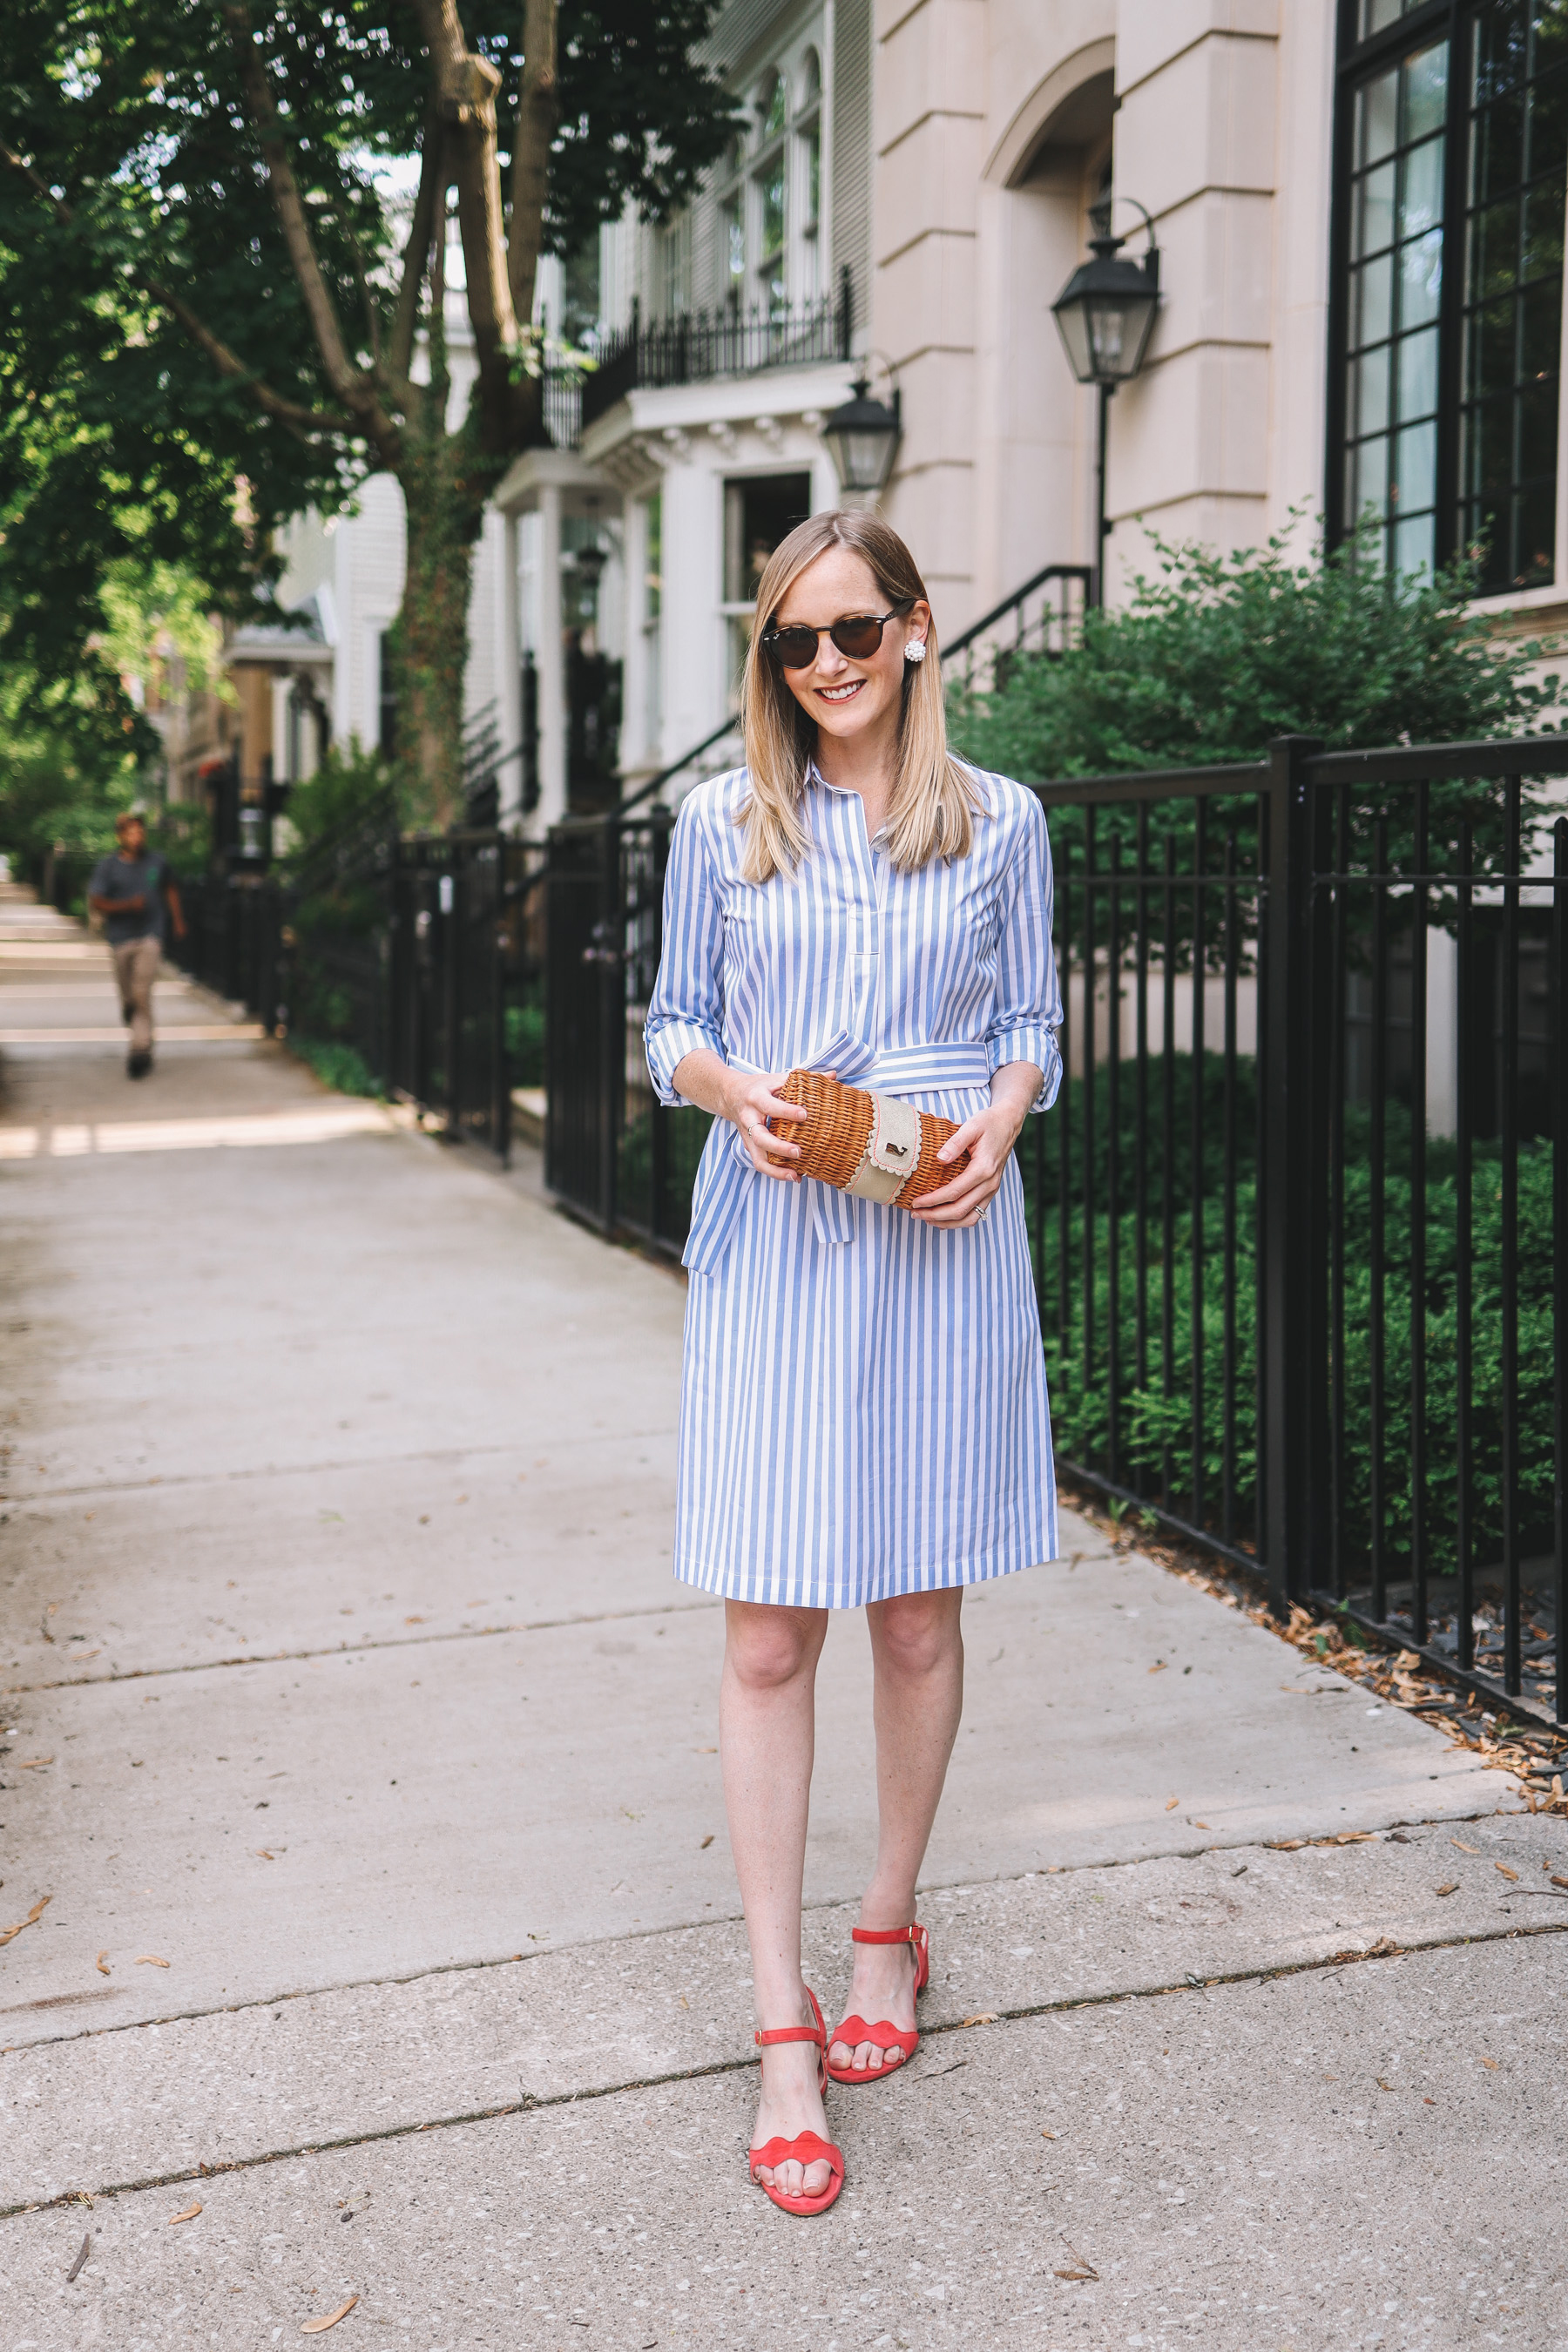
[(1105, 315), (862, 440)]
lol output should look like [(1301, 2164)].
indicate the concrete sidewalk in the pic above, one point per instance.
[(365, 1751)]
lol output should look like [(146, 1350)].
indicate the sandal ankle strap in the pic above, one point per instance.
[(788, 2034), (885, 1934)]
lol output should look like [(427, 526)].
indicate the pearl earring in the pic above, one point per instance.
[(915, 651)]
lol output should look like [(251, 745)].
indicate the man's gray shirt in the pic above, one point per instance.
[(118, 877)]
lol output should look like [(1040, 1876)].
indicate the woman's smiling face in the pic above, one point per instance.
[(847, 698)]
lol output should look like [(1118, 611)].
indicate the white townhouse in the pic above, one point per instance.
[(1359, 210)]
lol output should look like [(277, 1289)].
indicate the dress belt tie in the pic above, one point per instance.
[(896, 1070)]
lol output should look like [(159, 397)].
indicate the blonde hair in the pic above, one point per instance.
[(933, 799)]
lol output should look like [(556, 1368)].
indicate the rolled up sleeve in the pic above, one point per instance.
[(1028, 1012), (687, 1009)]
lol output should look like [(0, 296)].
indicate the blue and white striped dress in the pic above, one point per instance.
[(863, 1400)]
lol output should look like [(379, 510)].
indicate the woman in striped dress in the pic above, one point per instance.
[(863, 1406)]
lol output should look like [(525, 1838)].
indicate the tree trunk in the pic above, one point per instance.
[(445, 486)]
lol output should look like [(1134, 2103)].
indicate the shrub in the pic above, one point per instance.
[(1153, 1422), (1216, 655), (341, 1067)]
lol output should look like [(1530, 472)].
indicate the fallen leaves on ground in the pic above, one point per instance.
[(1491, 2064), (102, 1965), (1085, 2270), (188, 2215), (319, 2327), (6, 1934), (33, 1763), (1473, 1722), (262, 1854), (1157, 1667), (1463, 1847), (982, 2017), (706, 1843), (1451, 1888), (150, 1960), (1507, 1872), (1172, 1804)]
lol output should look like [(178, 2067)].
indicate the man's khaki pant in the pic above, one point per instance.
[(136, 965)]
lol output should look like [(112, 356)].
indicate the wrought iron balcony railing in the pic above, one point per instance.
[(692, 346)]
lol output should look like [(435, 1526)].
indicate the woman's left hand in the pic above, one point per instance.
[(988, 1137)]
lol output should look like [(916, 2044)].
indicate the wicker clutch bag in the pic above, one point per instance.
[(870, 1145)]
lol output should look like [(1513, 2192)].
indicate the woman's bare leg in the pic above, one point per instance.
[(917, 1651), (767, 1736)]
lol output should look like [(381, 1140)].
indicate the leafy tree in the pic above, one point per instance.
[(70, 758), (159, 634), (76, 745), (201, 235), (1216, 655)]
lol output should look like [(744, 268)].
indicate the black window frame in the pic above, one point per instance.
[(1358, 61)]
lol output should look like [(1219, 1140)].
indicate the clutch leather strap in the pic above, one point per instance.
[(892, 1152)]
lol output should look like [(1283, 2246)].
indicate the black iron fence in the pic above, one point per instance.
[(1299, 1218), (407, 966)]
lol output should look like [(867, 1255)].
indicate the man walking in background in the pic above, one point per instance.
[(129, 890)]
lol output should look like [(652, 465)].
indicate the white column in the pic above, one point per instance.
[(1442, 1011), (552, 662), (634, 637), (509, 671)]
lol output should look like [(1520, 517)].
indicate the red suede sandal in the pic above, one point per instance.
[(807, 2147), (855, 2029)]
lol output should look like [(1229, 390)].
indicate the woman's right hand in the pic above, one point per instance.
[(750, 1103)]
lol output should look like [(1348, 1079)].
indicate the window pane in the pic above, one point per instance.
[(1497, 155), (1538, 428), (1369, 477), (771, 189), (1415, 483), (1548, 126), (1514, 286), (1500, 48), (1535, 526), (1426, 90), (1488, 444), (1540, 331), (1415, 545), (1369, 399), (1377, 118), (1374, 211), (1421, 279), (1550, 35), (1373, 316), (1542, 252), (1421, 189), (1489, 347), (1376, 15), (1417, 375), (1494, 250)]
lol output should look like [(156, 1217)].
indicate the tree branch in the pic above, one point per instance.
[(465, 87), (352, 387), (227, 362), (427, 208), (538, 105)]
